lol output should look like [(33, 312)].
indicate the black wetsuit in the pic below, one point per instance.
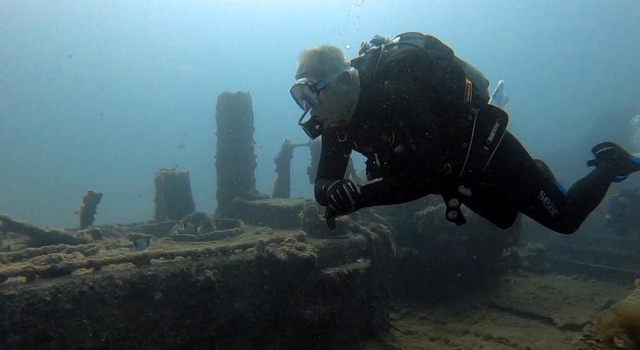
[(411, 133)]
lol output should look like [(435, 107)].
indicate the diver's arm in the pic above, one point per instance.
[(392, 191), (334, 159)]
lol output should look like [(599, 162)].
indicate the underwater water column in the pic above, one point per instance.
[(235, 159)]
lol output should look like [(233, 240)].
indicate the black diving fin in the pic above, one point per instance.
[(609, 154)]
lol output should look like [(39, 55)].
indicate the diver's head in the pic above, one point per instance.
[(326, 86), (321, 62)]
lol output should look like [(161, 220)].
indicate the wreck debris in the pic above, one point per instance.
[(30, 253), (208, 237), (89, 208), (282, 184), (41, 237), (272, 212), (156, 229), (173, 195), (336, 292), (235, 151), (207, 229), (143, 258)]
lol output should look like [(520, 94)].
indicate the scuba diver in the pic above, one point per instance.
[(421, 117)]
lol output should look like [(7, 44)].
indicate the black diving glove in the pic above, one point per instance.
[(342, 196)]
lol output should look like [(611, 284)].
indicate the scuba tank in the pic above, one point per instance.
[(476, 85)]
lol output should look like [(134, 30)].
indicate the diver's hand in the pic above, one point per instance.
[(330, 217), (342, 196)]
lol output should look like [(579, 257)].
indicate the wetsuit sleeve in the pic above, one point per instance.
[(334, 159), (391, 191)]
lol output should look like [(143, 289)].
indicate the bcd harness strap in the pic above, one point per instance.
[(489, 124), (482, 125)]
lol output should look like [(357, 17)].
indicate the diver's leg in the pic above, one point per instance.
[(566, 211), (613, 164), (492, 193), (493, 203), (537, 194)]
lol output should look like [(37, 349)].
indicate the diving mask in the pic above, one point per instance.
[(306, 93)]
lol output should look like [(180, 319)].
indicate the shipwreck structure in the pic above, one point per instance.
[(89, 208), (174, 199), (235, 151)]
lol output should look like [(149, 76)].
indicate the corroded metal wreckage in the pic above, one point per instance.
[(235, 287)]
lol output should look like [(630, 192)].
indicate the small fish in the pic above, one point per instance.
[(186, 228), (499, 98), (181, 146), (140, 244)]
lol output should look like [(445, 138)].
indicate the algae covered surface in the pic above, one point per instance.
[(245, 286)]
